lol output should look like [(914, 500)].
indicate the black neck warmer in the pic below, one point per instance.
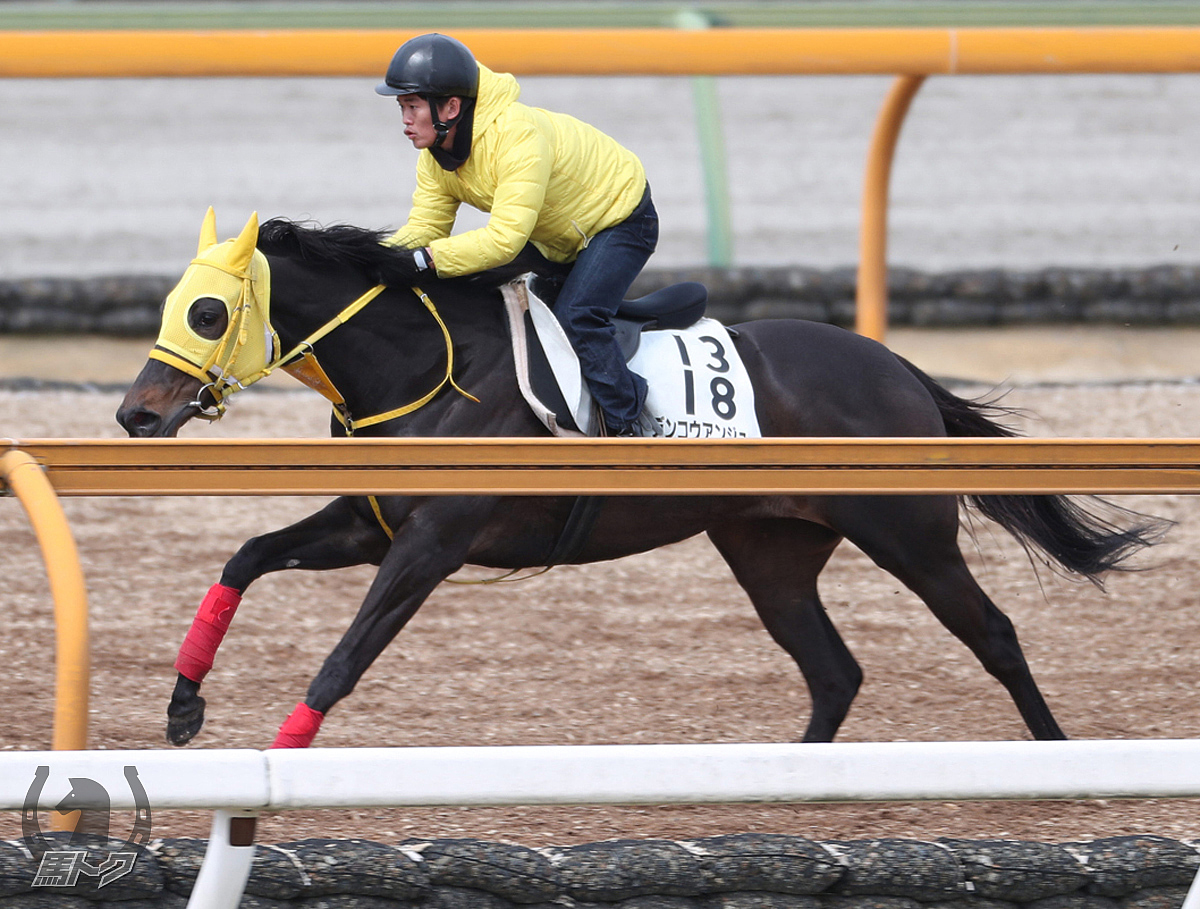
[(456, 156)]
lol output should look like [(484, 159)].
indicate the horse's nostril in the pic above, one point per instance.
[(140, 422)]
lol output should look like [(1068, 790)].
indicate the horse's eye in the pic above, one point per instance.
[(208, 318)]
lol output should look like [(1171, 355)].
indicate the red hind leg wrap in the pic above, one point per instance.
[(208, 629), (300, 728)]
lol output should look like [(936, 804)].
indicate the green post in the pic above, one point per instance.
[(712, 154)]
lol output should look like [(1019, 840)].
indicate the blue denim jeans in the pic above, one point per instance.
[(587, 300)]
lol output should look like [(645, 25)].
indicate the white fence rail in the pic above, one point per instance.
[(284, 779), (237, 783)]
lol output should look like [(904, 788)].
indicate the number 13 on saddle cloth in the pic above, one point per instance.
[(698, 385)]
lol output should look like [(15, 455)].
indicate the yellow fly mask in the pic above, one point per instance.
[(236, 274)]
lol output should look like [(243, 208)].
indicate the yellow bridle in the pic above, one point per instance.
[(240, 357), (219, 368)]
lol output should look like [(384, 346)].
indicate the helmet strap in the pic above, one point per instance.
[(452, 155), (440, 126)]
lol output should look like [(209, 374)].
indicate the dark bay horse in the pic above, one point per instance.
[(810, 379)]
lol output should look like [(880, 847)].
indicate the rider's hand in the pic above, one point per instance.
[(415, 265)]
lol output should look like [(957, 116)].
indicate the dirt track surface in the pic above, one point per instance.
[(658, 648)]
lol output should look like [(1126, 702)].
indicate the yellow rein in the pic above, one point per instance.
[(447, 379), (225, 385)]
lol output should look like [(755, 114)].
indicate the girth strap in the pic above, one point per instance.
[(577, 530)]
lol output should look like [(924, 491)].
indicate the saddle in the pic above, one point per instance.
[(675, 306), (546, 363)]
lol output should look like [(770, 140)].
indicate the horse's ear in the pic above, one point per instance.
[(243, 246), (208, 232)]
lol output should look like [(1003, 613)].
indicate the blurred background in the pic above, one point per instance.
[(1005, 175), (112, 176)]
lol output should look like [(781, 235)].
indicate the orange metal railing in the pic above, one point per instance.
[(617, 51), (27, 480)]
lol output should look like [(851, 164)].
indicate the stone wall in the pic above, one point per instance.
[(741, 871), (1168, 295)]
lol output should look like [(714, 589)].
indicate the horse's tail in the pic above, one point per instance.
[(1080, 539)]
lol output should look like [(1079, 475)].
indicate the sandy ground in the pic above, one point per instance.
[(657, 648)]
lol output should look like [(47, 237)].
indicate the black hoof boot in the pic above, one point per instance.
[(185, 713), (183, 726)]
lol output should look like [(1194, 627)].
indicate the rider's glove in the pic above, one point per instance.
[(415, 265)]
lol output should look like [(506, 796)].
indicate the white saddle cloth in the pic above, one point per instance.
[(698, 385)]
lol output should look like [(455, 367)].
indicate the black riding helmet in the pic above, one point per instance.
[(436, 67)]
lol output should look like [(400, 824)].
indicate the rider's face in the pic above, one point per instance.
[(418, 122)]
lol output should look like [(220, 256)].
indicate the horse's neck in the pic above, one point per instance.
[(393, 351)]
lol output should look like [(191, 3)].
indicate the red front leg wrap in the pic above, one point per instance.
[(300, 728), (208, 629)]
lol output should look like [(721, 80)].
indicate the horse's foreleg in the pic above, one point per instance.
[(185, 713), (335, 537), (777, 563), (432, 545)]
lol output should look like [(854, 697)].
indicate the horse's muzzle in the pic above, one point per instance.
[(139, 423), (142, 423), (160, 401)]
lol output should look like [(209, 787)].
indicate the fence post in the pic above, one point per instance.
[(24, 476), (227, 861), (871, 301)]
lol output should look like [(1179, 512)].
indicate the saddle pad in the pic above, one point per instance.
[(698, 385)]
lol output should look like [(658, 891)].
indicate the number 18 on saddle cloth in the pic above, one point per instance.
[(698, 386)]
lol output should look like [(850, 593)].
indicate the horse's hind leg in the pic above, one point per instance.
[(777, 562), (334, 537), (915, 538)]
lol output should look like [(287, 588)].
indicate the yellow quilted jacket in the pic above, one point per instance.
[(544, 177)]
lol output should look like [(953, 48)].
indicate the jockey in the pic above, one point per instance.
[(545, 178)]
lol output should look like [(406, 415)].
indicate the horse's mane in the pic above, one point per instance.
[(340, 244), (364, 249)]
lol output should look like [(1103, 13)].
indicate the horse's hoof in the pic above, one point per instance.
[(183, 726)]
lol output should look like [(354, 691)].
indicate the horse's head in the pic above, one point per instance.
[(215, 335)]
